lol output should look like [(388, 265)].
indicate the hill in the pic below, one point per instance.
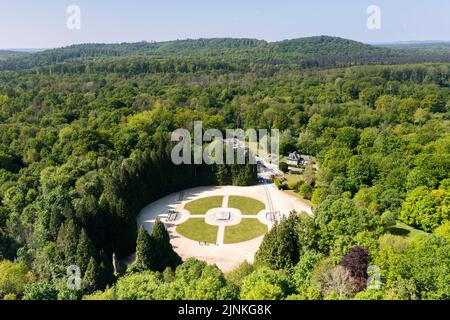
[(4, 54), (287, 51), (329, 46), (431, 47), (310, 52)]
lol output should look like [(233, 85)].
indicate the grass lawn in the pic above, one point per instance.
[(292, 178), (202, 206), (198, 230), (247, 206), (403, 230), (248, 229), (296, 194)]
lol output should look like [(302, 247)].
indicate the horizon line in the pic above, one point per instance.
[(29, 49)]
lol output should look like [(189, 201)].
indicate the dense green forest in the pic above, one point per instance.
[(190, 55), (84, 146)]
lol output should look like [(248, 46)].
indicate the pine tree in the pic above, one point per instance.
[(162, 255), (223, 174), (280, 248), (91, 277), (106, 271), (143, 250), (250, 174), (85, 250), (70, 248), (60, 240), (67, 242)]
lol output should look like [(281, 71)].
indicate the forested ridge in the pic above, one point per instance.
[(431, 47), (311, 52), (84, 146)]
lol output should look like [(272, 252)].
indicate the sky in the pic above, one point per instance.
[(43, 23)]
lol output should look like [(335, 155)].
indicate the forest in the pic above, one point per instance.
[(85, 145)]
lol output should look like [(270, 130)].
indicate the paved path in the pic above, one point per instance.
[(220, 236), (225, 201)]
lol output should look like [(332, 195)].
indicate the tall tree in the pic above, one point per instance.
[(280, 248), (106, 270), (91, 279), (144, 250), (67, 241), (85, 250), (162, 253)]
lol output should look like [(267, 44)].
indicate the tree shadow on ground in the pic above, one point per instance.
[(399, 231)]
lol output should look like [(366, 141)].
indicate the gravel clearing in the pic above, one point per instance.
[(226, 256)]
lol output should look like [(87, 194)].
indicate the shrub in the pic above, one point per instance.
[(284, 167), (13, 278), (444, 230), (389, 219), (305, 191)]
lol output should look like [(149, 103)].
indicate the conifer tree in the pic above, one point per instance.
[(223, 175), (91, 277), (67, 241), (280, 248), (71, 242), (106, 270), (143, 250), (85, 250), (162, 253)]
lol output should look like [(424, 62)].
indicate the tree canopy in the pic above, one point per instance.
[(85, 145)]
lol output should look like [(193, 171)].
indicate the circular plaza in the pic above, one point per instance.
[(220, 225)]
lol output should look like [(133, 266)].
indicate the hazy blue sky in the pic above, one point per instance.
[(42, 23)]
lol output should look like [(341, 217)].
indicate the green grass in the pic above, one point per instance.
[(403, 230), (296, 194), (248, 229), (292, 179), (202, 206), (247, 206), (198, 230)]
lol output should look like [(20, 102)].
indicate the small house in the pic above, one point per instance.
[(296, 159)]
